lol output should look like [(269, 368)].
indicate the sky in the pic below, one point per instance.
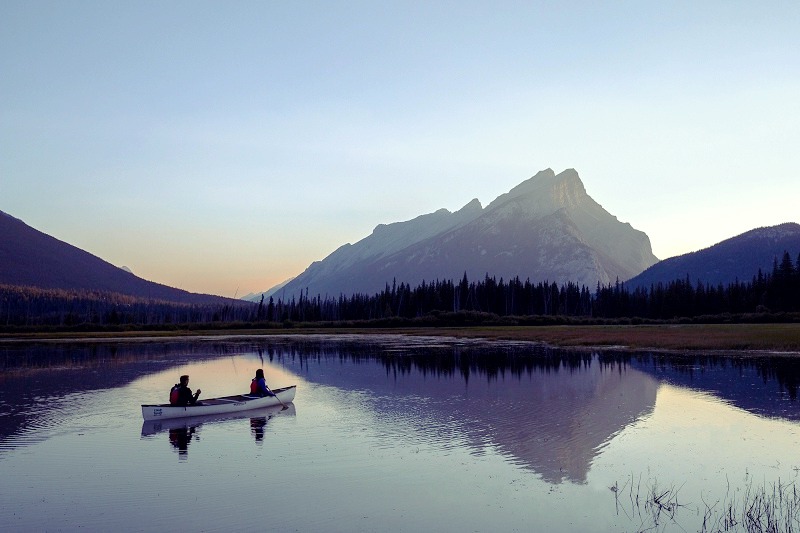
[(221, 147)]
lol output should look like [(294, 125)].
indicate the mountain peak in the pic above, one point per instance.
[(787, 229), (537, 181), (544, 194), (472, 207), (545, 228)]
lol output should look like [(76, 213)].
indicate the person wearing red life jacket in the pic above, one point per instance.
[(258, 386), (181, 394)]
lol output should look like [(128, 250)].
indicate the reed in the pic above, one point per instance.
[(767, 508)]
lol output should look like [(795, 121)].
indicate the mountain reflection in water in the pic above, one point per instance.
[(763, 385), (391, 433), (549, 411), (766, 385)]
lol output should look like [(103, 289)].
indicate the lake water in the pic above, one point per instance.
[(396, 434)]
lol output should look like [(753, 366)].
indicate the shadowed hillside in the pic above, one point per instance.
[(738, 258), (29, 257)]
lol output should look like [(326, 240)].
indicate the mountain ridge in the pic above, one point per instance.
[(545, 228), (737, 258), (29, 257)]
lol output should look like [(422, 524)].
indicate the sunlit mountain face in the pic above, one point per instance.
[(545, 229)]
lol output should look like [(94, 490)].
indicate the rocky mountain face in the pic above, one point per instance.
[(29, 257), (739, 258), (545, 229)]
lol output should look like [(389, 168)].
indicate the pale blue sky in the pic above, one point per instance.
[(223, 146)]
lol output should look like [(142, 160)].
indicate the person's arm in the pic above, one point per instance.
[(196, 395)]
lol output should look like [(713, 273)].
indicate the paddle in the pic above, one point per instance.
[(276, 396)]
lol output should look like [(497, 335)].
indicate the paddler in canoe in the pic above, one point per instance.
[(258, 386), (181, 394)]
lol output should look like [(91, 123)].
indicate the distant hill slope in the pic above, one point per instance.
[(545, 229), (255, 297), (739, 258), (30, 257)]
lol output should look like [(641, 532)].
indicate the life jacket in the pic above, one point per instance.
[(254, 386), (173, 394)]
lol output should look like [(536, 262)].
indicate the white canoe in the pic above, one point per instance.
[(216, 406), (153, 427)]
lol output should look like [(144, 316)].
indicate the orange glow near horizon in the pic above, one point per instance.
[(227, 375)]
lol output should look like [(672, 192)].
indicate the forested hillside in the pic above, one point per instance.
[(736, 258), (770, 295), (33, 306)]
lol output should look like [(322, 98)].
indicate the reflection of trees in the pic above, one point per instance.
[(491, 360), (32, 370), (22, 358), (732, 377), (546, 410), (765, 385), (551, 410)]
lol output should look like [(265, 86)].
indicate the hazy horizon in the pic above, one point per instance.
[(223, 148)]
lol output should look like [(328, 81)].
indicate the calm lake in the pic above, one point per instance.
[(396, 433)]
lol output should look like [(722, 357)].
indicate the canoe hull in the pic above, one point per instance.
[(153, 427), (217, 406)]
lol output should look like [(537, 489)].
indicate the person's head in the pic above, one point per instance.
[(184, 379), (259, 373)]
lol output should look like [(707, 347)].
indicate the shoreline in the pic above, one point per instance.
[(778, 339)]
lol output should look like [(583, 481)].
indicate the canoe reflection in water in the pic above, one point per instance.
[(182, 431)]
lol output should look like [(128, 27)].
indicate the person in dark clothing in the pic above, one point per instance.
[(258, 386), (185, 396)]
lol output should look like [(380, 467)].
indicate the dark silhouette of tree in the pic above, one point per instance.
[(462, 301)]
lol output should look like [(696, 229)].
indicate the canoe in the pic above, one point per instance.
[(216, 406), (153, 427)]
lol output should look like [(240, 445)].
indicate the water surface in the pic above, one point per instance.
[(389, 433)]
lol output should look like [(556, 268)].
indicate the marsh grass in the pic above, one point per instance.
[(742, 338), (679, 337), (778, 337), (653, 507), (767, 508)]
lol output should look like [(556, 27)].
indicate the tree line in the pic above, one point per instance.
[(775, 292), (430, 303), (33, 306)]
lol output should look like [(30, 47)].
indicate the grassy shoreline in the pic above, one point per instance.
[(783, 338)]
